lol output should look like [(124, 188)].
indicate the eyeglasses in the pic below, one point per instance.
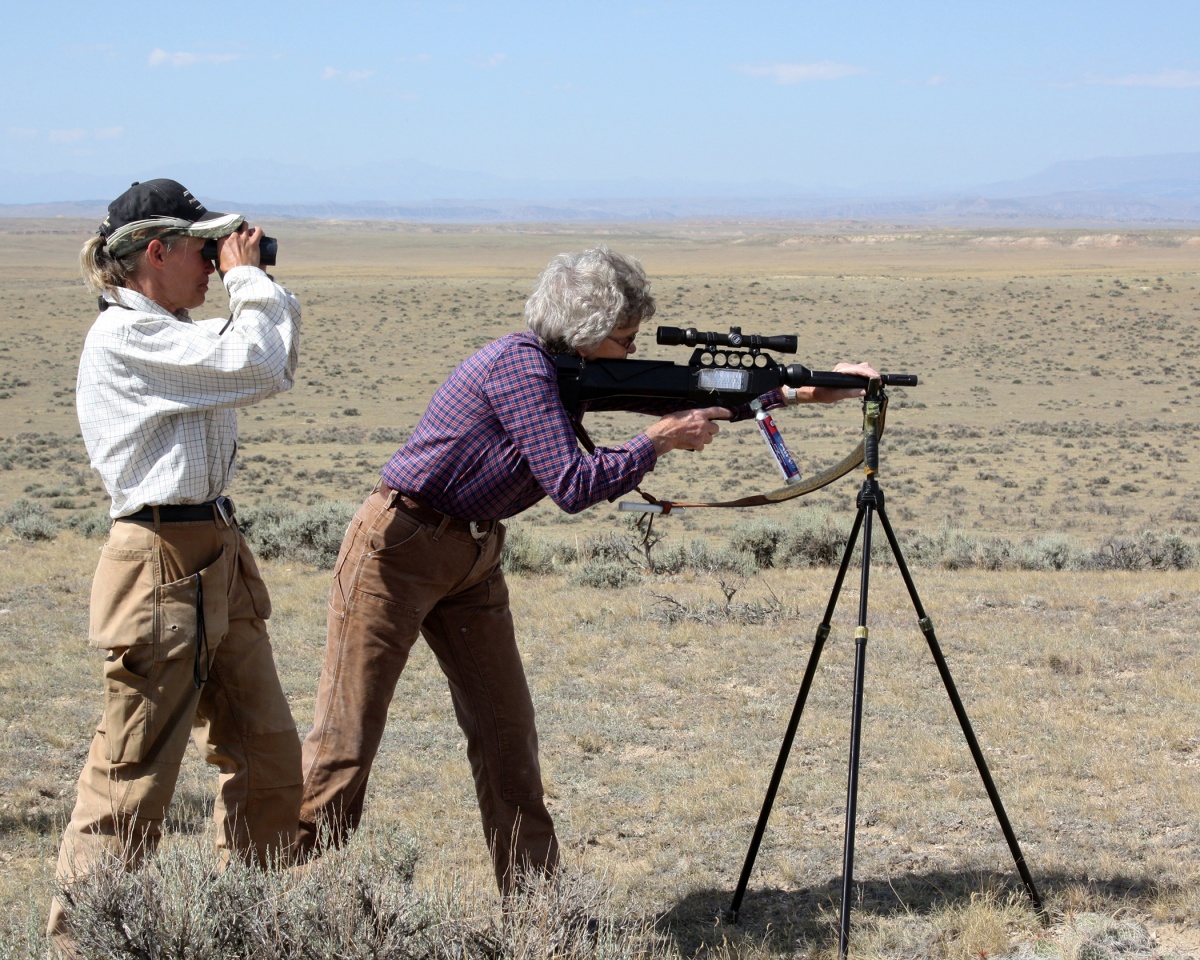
[(625, 343)]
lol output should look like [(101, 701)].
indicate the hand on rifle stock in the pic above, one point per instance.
[(686, 429)]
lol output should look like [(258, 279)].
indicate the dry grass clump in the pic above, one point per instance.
[(307, 534), (356, 901), (360, 901), (526, 553), (29, 521)]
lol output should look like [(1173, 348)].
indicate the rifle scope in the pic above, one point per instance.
[(674, 336)]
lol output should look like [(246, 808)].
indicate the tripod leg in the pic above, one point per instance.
[(789, 736), (926, 625), (860, 671)]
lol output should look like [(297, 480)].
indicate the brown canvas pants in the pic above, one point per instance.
[(399, 575), (144, 613)]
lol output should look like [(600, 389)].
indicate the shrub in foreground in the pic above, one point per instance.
[(29, 521), (93, 524), (759, 539), (307, 534), (524, 553), (1147, 551), (698, 556), (606, 574), (357, 901), (814, 538)]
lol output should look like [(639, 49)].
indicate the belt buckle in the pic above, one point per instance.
[(225, 508), (477, 533)]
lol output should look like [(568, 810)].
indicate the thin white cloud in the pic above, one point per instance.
[(1170, 79), (416, 58), (350, 76), (494, 61), (158, 57), (788, 73), (67, 134)]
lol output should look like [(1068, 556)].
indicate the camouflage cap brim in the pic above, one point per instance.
[(134, 236)]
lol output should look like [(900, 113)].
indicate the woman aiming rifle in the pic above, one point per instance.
[(422, 554)]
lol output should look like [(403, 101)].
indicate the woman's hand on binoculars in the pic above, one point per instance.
[(240, 248)]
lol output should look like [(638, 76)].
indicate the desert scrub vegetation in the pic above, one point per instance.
[(620, 557), (28, 520), (306, 534), (817, 538), (358, 901)]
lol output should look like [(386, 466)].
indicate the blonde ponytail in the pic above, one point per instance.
[(101, 270)]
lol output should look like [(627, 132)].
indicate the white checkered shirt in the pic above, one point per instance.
[(157, 391)]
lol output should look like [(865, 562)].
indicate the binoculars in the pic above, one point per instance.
[(268, 247)]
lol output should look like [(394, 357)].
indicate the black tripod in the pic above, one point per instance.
[(870, 503)]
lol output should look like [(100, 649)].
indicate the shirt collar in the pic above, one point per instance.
[(132, 300)]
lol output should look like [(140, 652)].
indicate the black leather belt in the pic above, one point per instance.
[(219, 509), (479, 529)]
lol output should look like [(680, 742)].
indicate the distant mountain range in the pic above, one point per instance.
[(1154, 190)]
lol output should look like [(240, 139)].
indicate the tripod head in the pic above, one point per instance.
[(874, 407)]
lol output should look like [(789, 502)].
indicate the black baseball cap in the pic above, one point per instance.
[(156, 208)]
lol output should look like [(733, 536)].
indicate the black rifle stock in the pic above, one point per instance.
[(725, 385)]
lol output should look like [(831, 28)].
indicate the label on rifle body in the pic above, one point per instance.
[(722, 380)]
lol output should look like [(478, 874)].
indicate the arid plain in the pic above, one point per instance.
[(1057, 368), (1057, 377)]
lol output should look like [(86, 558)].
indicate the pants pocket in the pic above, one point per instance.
[(373, 538), (192, 611), (252, 582), (148, 682), (127, 678), (121, 613)]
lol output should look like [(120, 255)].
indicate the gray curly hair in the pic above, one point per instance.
[(580, 298)]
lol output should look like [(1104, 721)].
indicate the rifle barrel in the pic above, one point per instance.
[(798, 375)]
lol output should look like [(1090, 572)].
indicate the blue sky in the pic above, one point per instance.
[(927, 95)]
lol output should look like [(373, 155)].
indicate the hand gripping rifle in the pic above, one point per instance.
[(726, 370)]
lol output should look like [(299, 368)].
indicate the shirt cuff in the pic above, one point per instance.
[(243, 274), (773, 399), (644, 454)]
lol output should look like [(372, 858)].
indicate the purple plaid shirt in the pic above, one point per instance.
[(496, 439)]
